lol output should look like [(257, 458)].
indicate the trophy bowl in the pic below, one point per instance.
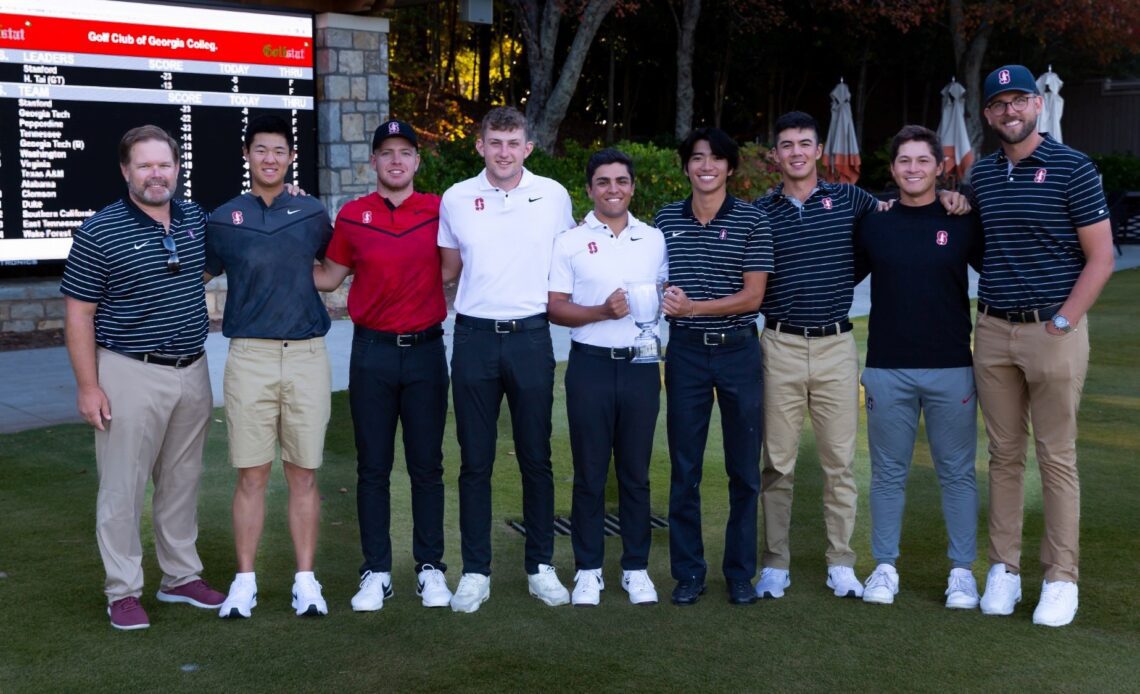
[(644, 298)]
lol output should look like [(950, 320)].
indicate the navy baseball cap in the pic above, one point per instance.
[(1009, 78), (394, 128)]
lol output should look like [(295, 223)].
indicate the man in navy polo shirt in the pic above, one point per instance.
[(1048, 255), (611, 402), (720, 254), (136, 323), (499, 229), (810, 360), (277, 379), (398, 369)]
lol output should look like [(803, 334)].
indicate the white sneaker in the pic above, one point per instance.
[(307, 598), (841, 579), (961, 590), (241, 600), (1058, 604), (640, 588), (545, 586), (431, 586), (472, 591), (1003, 591), (375, 587), (882, 585), (772, 583), (588, 588)]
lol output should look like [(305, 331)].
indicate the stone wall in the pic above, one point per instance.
[(27, 305)]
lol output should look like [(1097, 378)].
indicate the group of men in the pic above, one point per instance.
[(136, 324)]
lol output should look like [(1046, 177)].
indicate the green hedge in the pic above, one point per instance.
[(1121, 172), (658, 172)]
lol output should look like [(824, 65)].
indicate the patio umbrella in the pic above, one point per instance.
[(841, 151), (1049, 84), (952, 130)]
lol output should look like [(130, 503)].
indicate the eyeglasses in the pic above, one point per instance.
[(172, 262), (1018, 103)]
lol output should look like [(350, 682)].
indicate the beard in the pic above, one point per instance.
[(148, 196), (1028, 127)]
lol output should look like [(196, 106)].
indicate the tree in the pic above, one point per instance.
[(686, 29), (551, 87)]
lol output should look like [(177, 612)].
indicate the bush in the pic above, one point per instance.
[(1121, 172), (659, 178)]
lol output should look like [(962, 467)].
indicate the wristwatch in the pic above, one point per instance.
[(1061, 323)]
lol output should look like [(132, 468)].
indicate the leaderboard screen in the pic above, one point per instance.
[(76, 74)]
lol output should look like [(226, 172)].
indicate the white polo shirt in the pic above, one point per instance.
[(590, 263), (504, 239)]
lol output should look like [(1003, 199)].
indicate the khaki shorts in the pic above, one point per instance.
[(277, 392)]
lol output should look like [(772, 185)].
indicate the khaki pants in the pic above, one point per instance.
[(160, 416), (819, 376), (1025, 375)]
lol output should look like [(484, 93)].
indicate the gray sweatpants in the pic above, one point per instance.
[(947, 399)]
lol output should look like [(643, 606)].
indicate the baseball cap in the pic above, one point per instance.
[(1009, 78), (394, 128)]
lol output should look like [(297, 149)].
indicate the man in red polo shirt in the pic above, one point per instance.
[(398, 369)]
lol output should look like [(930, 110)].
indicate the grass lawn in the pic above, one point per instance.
[(54, 634)]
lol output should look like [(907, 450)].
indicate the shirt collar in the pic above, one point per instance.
[(594, 224), (143, 219), (725, 207), (524, 182), (1043, 150)]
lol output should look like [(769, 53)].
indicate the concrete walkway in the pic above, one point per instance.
[(38, 389)]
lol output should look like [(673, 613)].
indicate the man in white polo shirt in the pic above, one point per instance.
[(611, 402), (498, 229)]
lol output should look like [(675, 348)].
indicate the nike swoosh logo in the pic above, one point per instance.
[(676, 232), (534, 199), (140, 244), (636, 238), (291, 211)]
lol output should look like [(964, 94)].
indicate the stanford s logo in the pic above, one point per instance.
[(1003, 77), (367, 216), (1039, 177), (478, 204), (941, 238), (237, 217), (592, 247), (393, 128), (827, 203), (723, 234)]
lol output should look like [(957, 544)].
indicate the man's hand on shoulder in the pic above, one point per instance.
[(954, 202)]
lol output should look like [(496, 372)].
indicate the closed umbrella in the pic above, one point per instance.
[(841, 151), (952, 131), (1049, 84)]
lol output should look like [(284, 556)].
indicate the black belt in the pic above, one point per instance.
[(623, 353), (828, 330), (399, 339), (163, 360), (711, 338), (507, 325), (1017, 315)]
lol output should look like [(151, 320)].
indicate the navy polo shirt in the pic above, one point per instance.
[(1030, 213), (267, 253), (708, 261), (117, 261), (813, 283)]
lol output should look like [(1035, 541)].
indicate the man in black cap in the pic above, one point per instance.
[(398, 370), (1048, 254)]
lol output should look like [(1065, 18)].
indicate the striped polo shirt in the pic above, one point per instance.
[(708, 261), (813, 282), (1030, 213), (118, 262)]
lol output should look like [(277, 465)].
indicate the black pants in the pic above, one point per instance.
[(389, 383), (485, 366), (693, 373), (612, 406)]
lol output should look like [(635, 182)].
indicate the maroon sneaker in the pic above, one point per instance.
[(197, 593), (128, 614)]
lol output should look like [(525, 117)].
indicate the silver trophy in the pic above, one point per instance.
[(644, 297)]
